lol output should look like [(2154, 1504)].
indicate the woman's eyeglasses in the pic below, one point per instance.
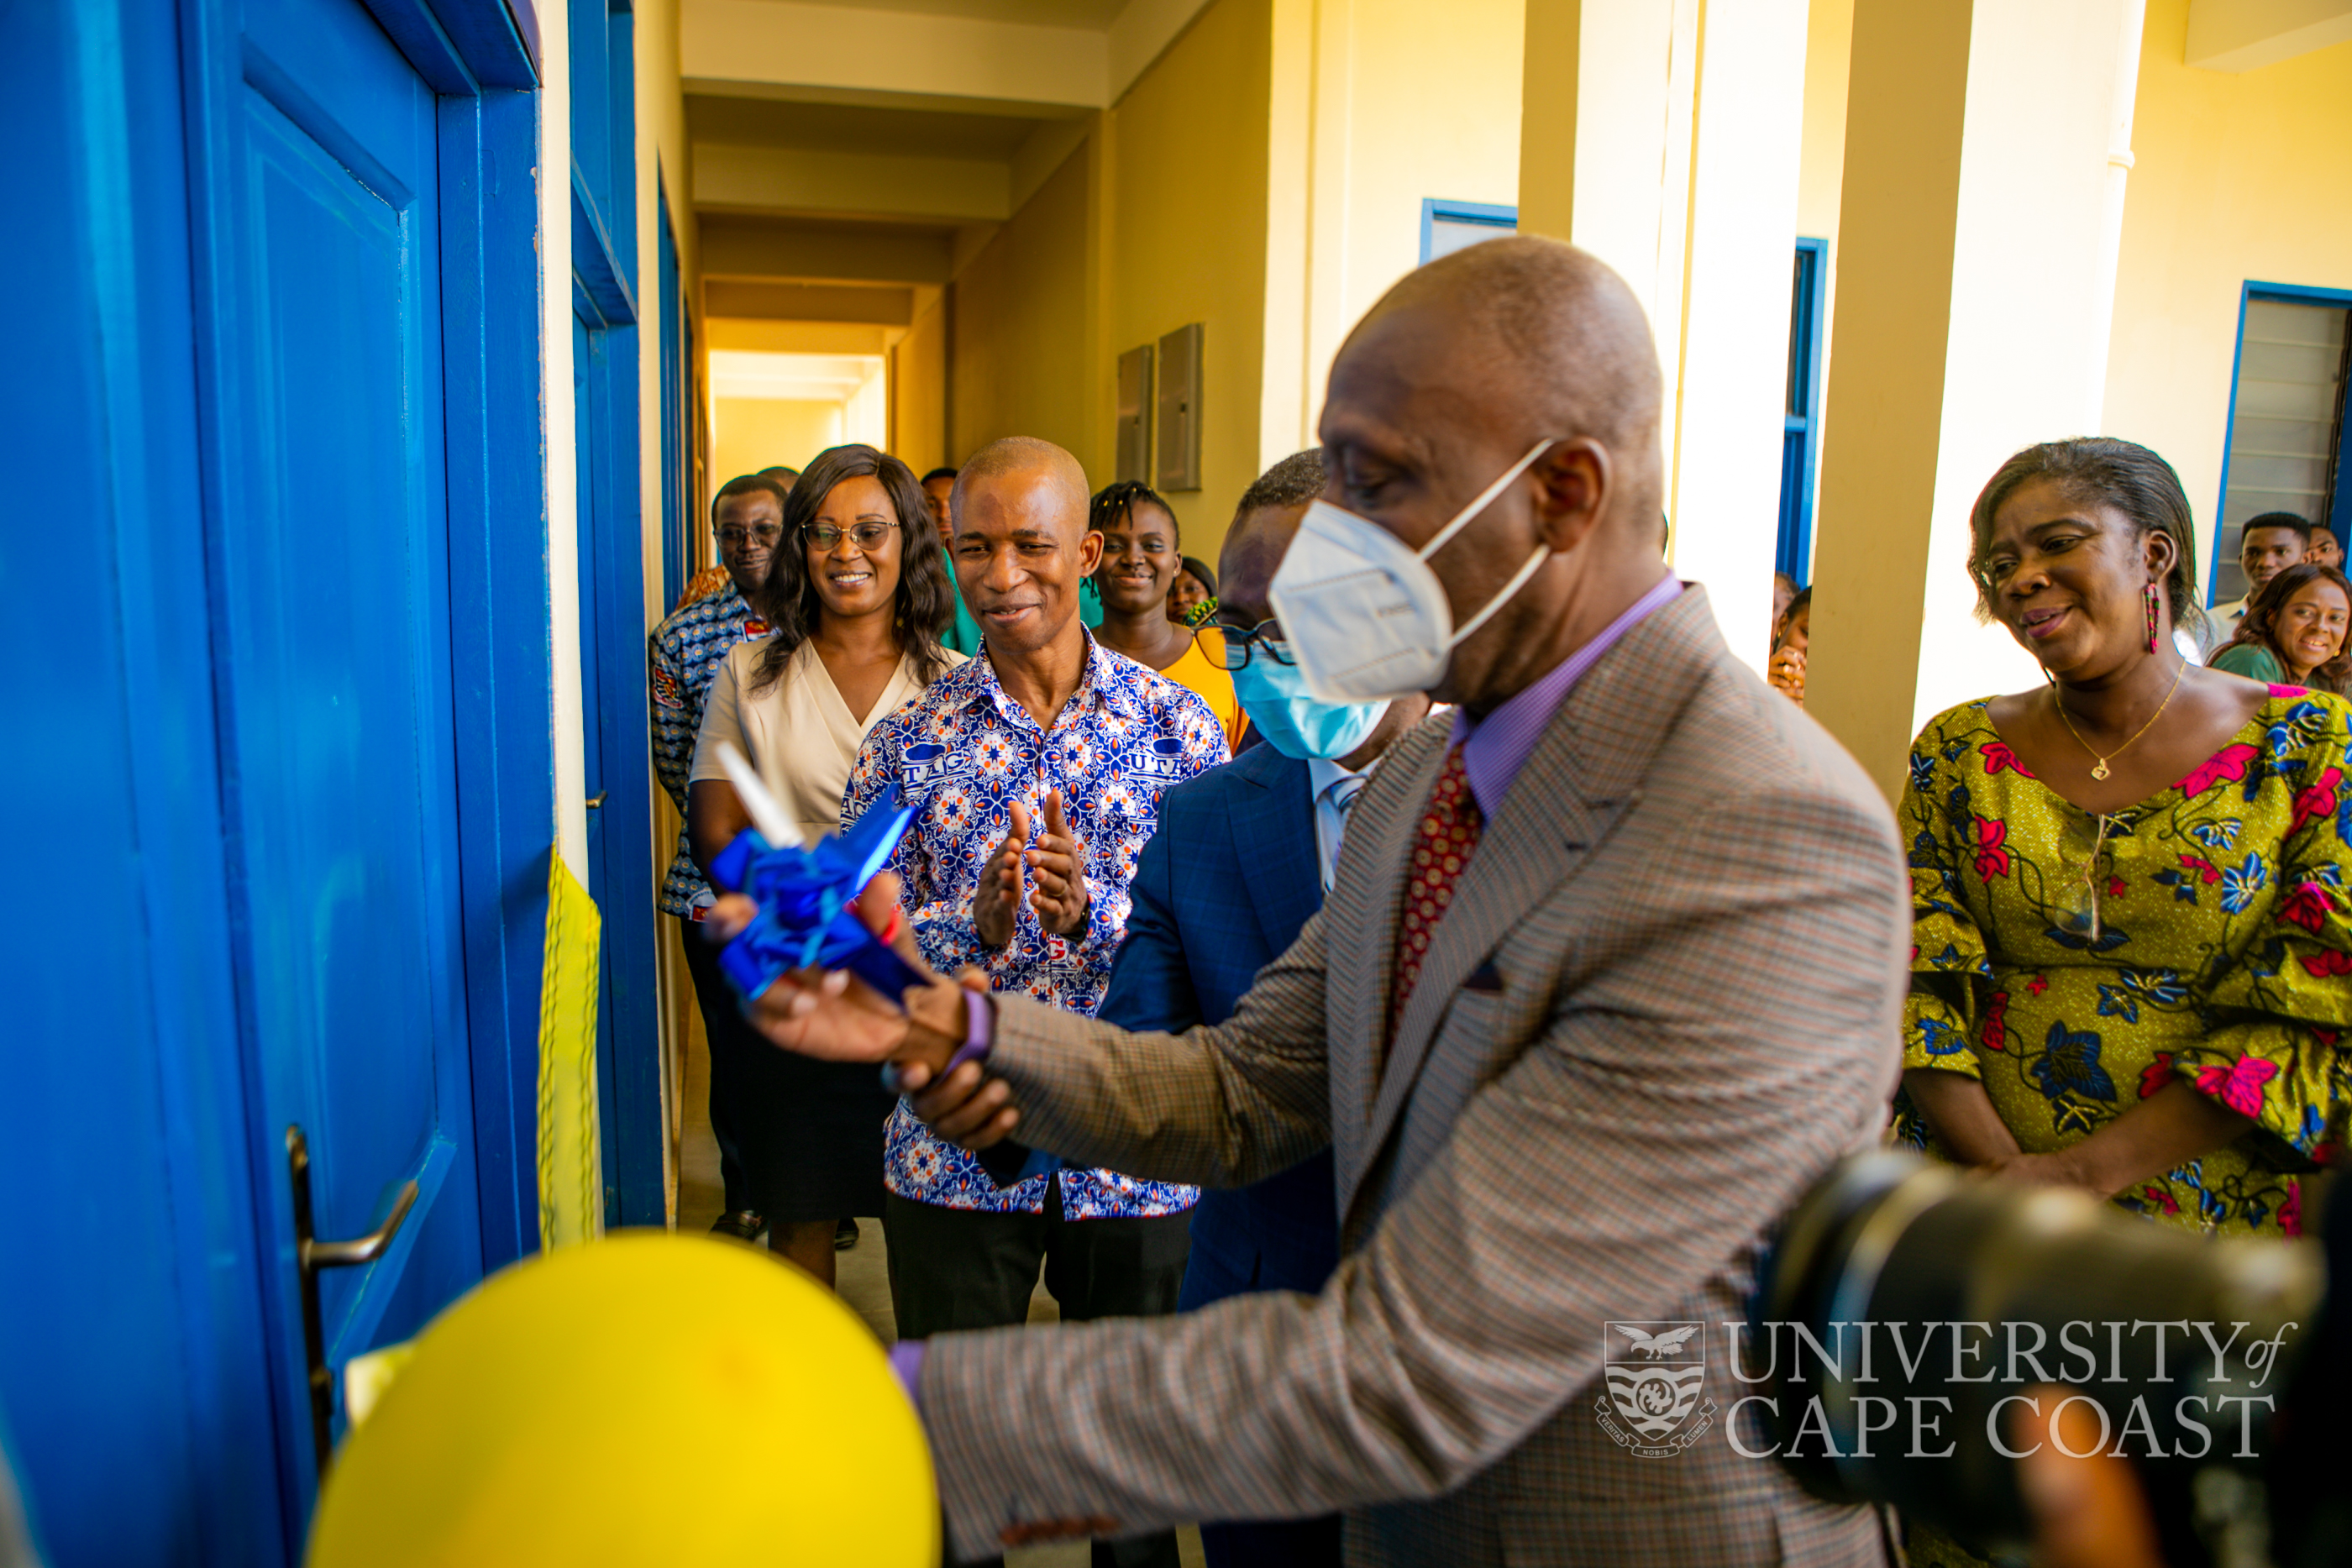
[(865, 536), (1265, 639)]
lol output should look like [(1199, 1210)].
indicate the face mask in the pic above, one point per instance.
[(1294, 724), (1363, 613)]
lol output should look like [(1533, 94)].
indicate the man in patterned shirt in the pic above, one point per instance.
[(748, 515), (1046, 731)]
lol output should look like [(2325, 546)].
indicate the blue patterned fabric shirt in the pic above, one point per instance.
[(687, 651), (961, 754)]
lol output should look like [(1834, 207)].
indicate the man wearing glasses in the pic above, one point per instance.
[(748, 515)]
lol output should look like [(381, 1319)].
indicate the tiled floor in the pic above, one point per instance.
[(865, 1276)]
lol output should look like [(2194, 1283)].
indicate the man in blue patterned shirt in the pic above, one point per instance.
[(1047, 733), (748, 515)]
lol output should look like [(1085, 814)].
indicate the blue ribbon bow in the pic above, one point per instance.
[(805, 920)]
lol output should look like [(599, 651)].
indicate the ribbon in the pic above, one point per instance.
[(805, 895)]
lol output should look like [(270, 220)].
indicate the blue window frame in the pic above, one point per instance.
[(2286, 446), (1448, 226), (1802, 425)]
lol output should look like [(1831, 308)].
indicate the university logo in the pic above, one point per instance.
[(1653, 1382)]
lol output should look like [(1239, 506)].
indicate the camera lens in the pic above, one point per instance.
[(1910, 1314)]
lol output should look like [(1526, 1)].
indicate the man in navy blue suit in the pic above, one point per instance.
[(1242, 858)]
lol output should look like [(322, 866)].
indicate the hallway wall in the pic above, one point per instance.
[(1017, 355), (1186, 241), (2235, 178), (1277, 153)]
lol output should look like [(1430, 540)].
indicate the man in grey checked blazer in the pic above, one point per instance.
[(1664, 999)]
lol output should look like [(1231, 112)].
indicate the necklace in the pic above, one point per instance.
[(2099, 769)]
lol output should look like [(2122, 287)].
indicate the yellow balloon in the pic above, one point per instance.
[(647, 1399)]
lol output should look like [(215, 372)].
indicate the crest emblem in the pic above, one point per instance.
[(1653, 1383)]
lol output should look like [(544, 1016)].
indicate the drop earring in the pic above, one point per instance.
[(2148, 599)]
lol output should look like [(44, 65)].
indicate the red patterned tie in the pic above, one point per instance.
[(1450, 824)]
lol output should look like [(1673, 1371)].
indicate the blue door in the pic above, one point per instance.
[(262, 418), (323, 371)]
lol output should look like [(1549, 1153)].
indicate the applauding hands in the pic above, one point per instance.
[(1055, 867)]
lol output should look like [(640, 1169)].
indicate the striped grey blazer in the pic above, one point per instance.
[(1664, 997)]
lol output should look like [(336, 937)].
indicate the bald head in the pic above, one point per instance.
[(1038, 464), (1521, 351), (1569, 338), (1021, 547)]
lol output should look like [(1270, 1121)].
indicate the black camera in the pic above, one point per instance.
[(1910, 1313)]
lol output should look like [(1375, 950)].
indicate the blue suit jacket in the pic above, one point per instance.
[(1222, 891)]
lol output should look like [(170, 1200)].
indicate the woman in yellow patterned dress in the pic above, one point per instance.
[(2131, 945)]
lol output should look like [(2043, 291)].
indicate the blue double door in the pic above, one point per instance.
[(296, 886)]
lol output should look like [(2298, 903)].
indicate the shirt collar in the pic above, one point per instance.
[(1103, 682), (1322, 772), (1496, 748)]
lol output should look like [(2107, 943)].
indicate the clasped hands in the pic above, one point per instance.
[(1056, 866), (832, 1016)]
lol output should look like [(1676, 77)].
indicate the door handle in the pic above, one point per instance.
[(597, 799), (310, 1255)]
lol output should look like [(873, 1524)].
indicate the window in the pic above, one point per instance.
[(1800, 423), (1448, 226), (2285, 451)]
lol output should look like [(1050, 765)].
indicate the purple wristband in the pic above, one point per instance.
[(979, 1035), (907, 1367), (979, 1031)]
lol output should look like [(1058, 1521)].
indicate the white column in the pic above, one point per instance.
[(1732, 383), (1665, 137), (1973, 302), (556, 405)]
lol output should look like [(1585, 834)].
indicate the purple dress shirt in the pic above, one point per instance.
[(1496, 748)]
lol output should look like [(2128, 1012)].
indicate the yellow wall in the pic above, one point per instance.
[(1264, 178), (755, 433), (1829, 49), (918, 390), (1017, 355), (1430, 111), (1186, 238), (2235, 178)]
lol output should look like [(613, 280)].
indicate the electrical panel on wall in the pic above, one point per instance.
[(1135, 415), (1180, 410)]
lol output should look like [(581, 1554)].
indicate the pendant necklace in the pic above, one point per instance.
[(2099, 769)]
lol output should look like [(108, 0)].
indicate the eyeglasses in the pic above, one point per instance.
[(1264, 638), (736, 537), (865, 536)]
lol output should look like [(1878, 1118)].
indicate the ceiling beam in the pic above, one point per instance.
[(854, 55), (2238, 36), (794, 180), (785, 42), (808, 302), (742, 245)]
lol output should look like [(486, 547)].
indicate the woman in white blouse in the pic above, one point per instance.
[(856, 597)]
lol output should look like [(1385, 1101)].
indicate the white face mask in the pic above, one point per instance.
[(1362, 613)]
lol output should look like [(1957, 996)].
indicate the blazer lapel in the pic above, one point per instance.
[(1585, 771), (1360, 926), (1275, 836)]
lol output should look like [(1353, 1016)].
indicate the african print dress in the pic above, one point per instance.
[(2077, 963)]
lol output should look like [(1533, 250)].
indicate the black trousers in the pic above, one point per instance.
[(962, 1269), (722, 1027)]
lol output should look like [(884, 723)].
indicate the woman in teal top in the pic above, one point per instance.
[(2293, 632)]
